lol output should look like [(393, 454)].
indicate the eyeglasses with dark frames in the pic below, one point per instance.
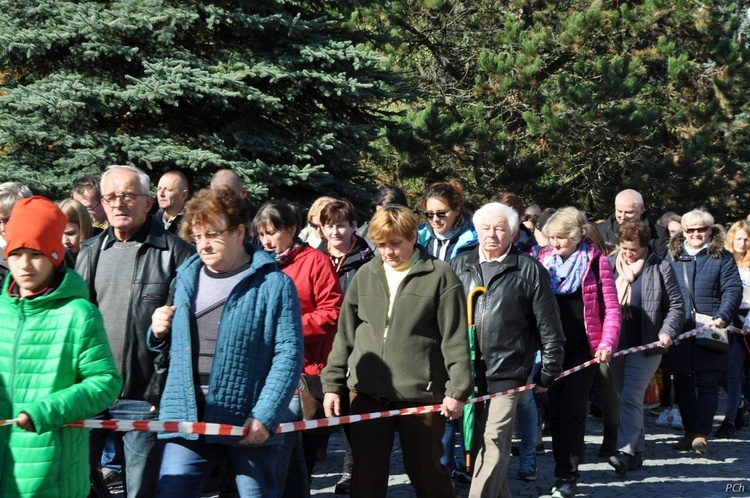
[(127, 198), (696, 229)]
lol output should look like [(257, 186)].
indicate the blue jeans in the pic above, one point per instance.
[(141, 450), (527, 415), (297, 484), (186, 468)]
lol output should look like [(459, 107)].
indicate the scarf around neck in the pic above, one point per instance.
[(566, 276), (626, 274), (283, 257)]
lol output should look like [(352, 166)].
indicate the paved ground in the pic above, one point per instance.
[(723, 472)]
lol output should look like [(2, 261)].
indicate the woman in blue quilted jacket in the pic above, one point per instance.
[(235, 354)]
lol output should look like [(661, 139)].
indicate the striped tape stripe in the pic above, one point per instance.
[(208, 429)]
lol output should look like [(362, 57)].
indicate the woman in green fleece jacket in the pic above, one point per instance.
[(56, 366), (401, 342)]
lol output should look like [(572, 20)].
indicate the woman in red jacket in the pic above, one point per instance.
[(277, 226)]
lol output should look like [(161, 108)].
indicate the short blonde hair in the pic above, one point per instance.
[(316, 207), (390, 221), (700, 216), (568, 222)]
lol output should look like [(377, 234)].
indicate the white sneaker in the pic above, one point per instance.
[(665, 418), (676, 420)]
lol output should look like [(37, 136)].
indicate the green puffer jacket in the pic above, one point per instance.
[(55, 365)]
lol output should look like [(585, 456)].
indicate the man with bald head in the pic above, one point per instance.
[(226, 178), (171, 194), (629, 206)]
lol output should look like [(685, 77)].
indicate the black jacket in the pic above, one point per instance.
[(155, 267), (658, 238), (359, 254), (517, 313)]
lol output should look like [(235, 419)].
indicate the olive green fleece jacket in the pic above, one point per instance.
[(422, 356)]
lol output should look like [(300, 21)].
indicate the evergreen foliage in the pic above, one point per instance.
[(569, 102), (276, 90)]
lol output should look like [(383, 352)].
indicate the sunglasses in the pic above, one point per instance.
[(440, 214), (698, 229)]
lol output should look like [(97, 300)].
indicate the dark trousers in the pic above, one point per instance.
[(697, 396), (568, 408), (372, 444)]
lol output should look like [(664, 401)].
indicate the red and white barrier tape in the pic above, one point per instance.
[(233, 430)]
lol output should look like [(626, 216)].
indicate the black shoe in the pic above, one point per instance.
[(609, 443), (621, 463), (726, 430), (636, 461), (685, 443), (740, 420), (344, 485), (564, 488)]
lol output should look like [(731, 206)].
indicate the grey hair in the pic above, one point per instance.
[(143, 178), (638, 197), (12, 192), (496, 208)]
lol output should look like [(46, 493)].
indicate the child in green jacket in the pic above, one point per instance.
[(56, 365)]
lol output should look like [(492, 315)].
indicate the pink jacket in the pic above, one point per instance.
[(601, 310)]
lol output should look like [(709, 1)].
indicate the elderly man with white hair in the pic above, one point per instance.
[(517, 312)]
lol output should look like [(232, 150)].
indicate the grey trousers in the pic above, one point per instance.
[(632, 374)]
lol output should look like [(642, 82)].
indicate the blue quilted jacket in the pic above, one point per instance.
[(258, 356)]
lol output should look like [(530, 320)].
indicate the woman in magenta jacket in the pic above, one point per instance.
[(584, 285)]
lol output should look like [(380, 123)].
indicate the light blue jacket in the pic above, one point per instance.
[(258, 357)]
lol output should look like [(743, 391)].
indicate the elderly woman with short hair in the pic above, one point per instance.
[(711, 285), (235, 354), (401, 343), (652, 310)]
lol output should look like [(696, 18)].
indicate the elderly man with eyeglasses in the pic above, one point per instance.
[(128, 269)]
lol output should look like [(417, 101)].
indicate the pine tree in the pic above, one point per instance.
[(568, 102), (280, 91)]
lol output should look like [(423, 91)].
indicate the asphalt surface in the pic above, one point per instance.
[(723, 472)]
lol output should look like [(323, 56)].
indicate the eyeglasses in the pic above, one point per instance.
[(208, 236), (440, 214), (698, 229), (126, 198), (530, 217), (91, 209)]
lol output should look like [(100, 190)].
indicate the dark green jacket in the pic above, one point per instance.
[(423, 357)]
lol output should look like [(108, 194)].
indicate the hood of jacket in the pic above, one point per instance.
[(714, 249)]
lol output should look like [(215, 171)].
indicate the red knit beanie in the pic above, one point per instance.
[(36, 223)]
